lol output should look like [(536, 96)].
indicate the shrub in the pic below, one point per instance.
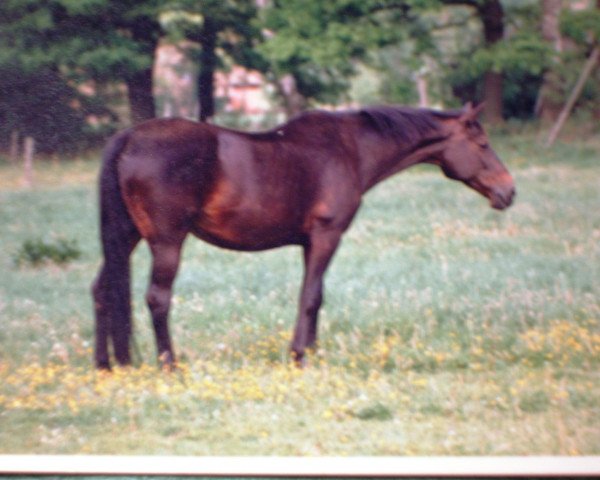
[(38, 251)]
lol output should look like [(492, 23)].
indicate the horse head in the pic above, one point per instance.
[(469, 158)]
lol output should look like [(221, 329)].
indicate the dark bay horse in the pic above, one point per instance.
[(298, 184)]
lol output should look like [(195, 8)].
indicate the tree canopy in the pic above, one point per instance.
[(60, 58)]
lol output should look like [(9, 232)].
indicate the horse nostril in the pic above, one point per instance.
[(512, 194), (502, 197), (509, 196)]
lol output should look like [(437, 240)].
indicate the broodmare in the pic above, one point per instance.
[(298, 184)]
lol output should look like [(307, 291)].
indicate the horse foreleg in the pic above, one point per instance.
[(317, 255), (166, 256)]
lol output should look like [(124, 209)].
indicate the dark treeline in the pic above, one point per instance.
[(72, 71)]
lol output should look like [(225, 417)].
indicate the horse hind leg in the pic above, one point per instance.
[(101, 304), (165, 263), (112, 301)]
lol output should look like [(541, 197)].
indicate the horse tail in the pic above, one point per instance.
[(119, 236)]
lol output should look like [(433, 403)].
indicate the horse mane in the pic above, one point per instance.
[(404, 123)]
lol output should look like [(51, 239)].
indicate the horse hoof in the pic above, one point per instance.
[(103, 365), (104, 368), (169, 367), (167, 362), (299, 360)]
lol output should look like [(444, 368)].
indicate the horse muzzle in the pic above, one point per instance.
[(502, 198), (502, 192), (499, 189)]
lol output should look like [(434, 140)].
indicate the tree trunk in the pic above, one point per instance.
[(141, 99), (492, 17), (28, 153), (551, 23), (492, 96), (293, 101), (208, 65), (422, 90), (548, 105), (13, 155)]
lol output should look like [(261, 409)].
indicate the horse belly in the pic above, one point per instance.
[(246, 230), (253, 204)]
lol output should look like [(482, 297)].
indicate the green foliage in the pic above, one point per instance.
[(522, 58), (39, 251), (377, 412), (234, 20), (224, 33), (108, 39), (583, 26), (48, 49), (321, 45), (319, 42), (525, 52), (40, 105)]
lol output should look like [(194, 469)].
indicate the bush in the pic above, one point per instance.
[(36, 252)]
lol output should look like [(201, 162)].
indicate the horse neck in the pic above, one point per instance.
[(380, 159)]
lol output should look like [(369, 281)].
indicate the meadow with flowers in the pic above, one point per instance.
[(448, 328)]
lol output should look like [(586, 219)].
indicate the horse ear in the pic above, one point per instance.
[(470, 113), (478, 109)]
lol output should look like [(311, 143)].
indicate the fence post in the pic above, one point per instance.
[(28, 153), (13, 155)]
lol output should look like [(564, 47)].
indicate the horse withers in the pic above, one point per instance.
[(298, 184)]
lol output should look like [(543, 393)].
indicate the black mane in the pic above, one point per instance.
[(404, 123)]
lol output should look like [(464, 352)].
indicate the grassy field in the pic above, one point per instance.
[(449, 328)]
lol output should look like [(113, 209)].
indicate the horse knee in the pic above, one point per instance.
[(314, 304), (164, 269), (158, 300)]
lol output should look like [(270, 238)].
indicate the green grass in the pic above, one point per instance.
[(448, 329)]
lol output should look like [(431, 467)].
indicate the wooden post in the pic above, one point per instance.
[(422, 90), (28, 153), (566, 111), (13, 155)]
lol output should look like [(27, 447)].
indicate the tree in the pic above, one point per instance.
[(312, 47), (492, 18), (505, 73), (318, 44), (39, 104), (548, 105), (583, 27), (114, 40), (491, 15), (36, 99), (103, 40), (220, 29)]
